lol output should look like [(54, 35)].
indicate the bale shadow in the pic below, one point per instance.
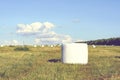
[(54, 60)]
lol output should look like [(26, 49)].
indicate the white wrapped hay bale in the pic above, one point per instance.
[(93, 46), (51, 46), (75, 53), (1, 45), (35, 45)]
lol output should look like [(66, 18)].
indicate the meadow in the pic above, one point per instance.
[(43, 63)]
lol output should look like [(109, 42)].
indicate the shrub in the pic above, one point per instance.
[(21, 49)]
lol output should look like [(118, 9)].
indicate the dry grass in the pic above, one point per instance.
[(44, 64)]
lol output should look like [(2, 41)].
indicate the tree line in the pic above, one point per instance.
[(109, 41)]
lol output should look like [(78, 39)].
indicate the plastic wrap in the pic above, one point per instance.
[(75, 53)]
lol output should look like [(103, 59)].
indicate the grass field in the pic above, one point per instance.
[(43, 63)]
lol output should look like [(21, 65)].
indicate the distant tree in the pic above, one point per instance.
[(109, 41)]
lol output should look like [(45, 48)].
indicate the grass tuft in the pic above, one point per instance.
[(21, 49)]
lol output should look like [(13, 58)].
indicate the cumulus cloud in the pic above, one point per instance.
[(14, 42), (48, 25), (43, 33), (34, 28), (53, 39), (37, 40), (11, 42)]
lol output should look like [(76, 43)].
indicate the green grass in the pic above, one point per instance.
[(38, 64)]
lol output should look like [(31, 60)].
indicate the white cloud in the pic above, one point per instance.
[(48, 25), (11, 42), (34, 28), (54, 39), (37, 40), (43, 33), (15, 42)]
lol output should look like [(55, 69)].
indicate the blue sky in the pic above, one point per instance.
[(80, 19)]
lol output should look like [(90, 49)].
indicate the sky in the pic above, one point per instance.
[(58, 21)]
